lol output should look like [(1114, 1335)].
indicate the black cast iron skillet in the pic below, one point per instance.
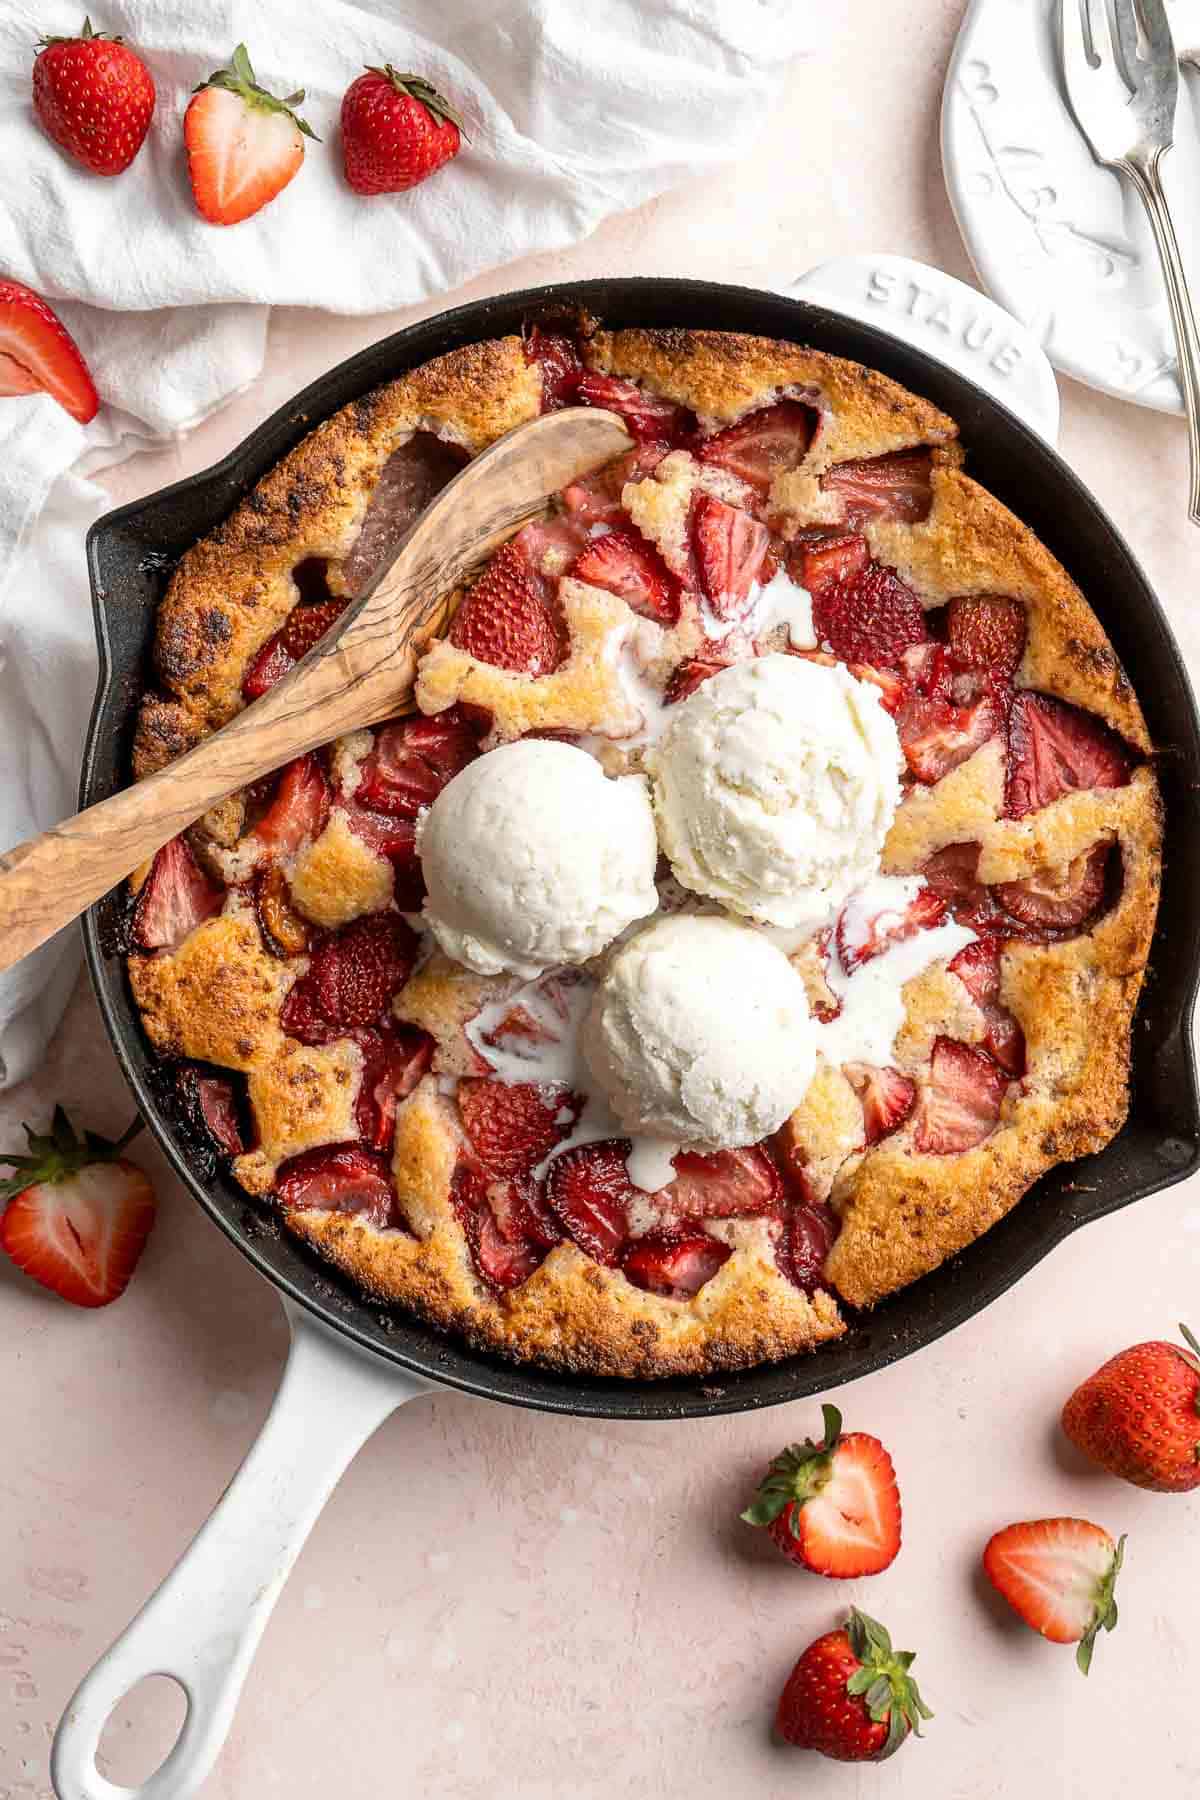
[(130, 555)]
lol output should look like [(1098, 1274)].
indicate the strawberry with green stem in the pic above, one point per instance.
[(78, 1213), (850, 1696), (243, 144), (833, 1506)]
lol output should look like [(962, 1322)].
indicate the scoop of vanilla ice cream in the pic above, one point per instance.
[(700, 1033), (533, 857), (775, 784)]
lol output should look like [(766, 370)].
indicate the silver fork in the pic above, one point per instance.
[(1122, 81)]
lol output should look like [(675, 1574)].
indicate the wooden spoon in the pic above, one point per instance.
[(361, 672)]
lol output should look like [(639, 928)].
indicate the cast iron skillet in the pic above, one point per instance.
[(130, 555)]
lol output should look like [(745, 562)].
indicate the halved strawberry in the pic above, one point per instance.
[(832, 1506), (977, 966), (502, 1263), (395, 1057), (78, 1213), (1058, 900), (674, 1264), (961, 1103), (952, 874), (412, 760), (589, 1189), (1059, 1576), (387, 835), (727, 1184), (521, 1211), (896, 486), (305, 627), (928, 671), (858, 943), (987, 631), (596, 499), (299, 810), (340, 1178), (513, 1125), (243, 144), (1056, 749), (210, 1106), (764, 443), (506, 619), (729, 547), (558, 358), (628, 566), (937, 736), (175, 897), (355, 971), (821, 557), (283, 929), (687, 676), (39, 355), (648, 417), (872, 617), (887, 1098), (809, 1231)]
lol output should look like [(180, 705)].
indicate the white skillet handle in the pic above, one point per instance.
[(203, 1624), (947, 319)]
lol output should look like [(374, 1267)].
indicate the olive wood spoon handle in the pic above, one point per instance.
[(361, 672)]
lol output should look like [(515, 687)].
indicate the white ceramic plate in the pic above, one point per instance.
[(1055, 237)]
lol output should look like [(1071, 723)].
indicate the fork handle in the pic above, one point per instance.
[(1147, 178)]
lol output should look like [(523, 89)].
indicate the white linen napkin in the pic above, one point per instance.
[(572, 113)]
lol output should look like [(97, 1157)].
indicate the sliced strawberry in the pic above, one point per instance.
[(687, 676), (299, 810), (896, 486), (506, 619), (243, 144), (211, 1105), (551, 545), (513, 1125), (728, 1184), (821, 557), (175, 897), (987, 631), (628, 566), (412, 760), (808, 1236), (1059, 1576), (937, 736), (354, 972), (887, 1098), (305, 627), (596, 499), (78, 1214), (1056, 749), (729, 547), (38, 353), (395, 1057), (764, 443), (341, 1178), (928, 671), (589, 1191), (952, 874), (521, 1213), (558, 359), (505, 1265), (676, 1265), (873, 617), (858, 943), (1058, 900), (648, 418), (961, 1104), (283, 929), (977, 966), (833, 1506), (387, 835)]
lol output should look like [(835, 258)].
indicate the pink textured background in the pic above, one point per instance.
[(501, 1604)]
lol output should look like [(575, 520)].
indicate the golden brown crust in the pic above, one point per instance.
[(219, 996)]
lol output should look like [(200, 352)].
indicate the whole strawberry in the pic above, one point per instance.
[(832, 1507), (850, 1696), (396, 131), (78, 1214), (94, 97), (1139, 1416)]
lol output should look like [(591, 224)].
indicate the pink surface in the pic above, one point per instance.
[(501, 1604)]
